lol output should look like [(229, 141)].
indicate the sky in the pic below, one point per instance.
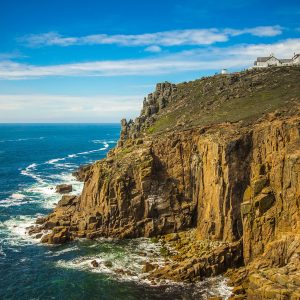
[(93, 61)]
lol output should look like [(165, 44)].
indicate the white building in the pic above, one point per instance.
[(296, 59), (269, 61)]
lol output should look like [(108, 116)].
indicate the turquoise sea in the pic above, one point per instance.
[(34, 158)]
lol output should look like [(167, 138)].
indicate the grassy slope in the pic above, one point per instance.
[(244, 96)]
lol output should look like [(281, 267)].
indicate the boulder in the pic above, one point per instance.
[(67, 200), (108, 264), (94, 263), (64, 188), (148, 267), (34, 230), (40, 220)]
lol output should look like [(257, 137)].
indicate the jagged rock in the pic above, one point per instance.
[(148, 267), (81, 173), (94, 263), (68, 200), (34, 230), (64, 188), (234, 178), (154, 103), (40, 220)]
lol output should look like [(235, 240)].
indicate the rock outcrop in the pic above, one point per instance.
[(64, 188), (152, 105), (235, 180)]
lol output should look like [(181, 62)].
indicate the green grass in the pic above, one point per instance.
[(275, 89), (124, 151)]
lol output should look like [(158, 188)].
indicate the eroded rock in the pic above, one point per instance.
[(63, 188)]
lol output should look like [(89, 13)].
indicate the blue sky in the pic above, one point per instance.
[(94, 61)]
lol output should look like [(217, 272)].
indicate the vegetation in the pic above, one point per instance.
[(230, 98)]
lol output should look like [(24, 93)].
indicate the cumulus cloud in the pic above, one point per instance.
[(211, 58), (166, 38)]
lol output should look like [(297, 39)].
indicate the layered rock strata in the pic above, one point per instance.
[(237, 183)]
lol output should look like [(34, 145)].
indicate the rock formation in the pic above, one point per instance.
[(152, 105), (221, 155), (64, 188)]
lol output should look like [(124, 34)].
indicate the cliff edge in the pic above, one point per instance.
[(220, 155)]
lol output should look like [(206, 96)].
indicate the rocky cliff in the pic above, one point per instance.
[(219, 154)]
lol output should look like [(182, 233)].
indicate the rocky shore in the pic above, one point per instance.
[(210, 167)]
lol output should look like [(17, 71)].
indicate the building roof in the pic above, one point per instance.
[(263, 59), (285, 60)]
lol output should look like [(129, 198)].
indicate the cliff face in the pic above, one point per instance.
[(235, 182), (271, 212), (184, 180)]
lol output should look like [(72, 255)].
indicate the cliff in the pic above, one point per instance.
[(220, 155)]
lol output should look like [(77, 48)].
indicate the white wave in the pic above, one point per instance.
[(17, 196), (28, 171), (22, 139), (92, 151), (55, 252), (16, 230), (65, 165), (45, 190), (74, 155), (55, 160), (15, 199), (124, 262), (2, 253), (215, 286), (223, 288), (102, 141)]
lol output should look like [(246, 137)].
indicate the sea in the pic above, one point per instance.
[(34, 158)]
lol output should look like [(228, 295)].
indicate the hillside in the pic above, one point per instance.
[(243, 96), (213, 167)]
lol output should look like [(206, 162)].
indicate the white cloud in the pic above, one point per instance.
[(11, 55), (154, 49), (166, 38), (66, 108), (260, 31), (211, 58)]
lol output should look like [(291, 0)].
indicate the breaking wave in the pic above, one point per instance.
[(22, 139)]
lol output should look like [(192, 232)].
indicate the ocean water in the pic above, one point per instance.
[(34, 158)]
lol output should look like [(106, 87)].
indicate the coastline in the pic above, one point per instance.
[(234, 181)]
